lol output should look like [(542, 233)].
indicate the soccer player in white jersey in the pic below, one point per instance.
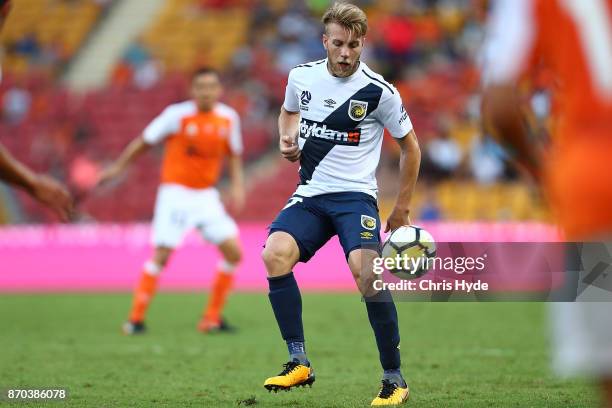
[(332, 121)]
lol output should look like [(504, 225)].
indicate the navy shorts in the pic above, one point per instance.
[(312, 221)]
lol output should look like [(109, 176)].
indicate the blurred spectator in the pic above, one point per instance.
[(136, 54), (53, 54), (397, 38), (291, 53), (295, 24), (147, 75), (137, 67), (83, 131), (299, 39), (430, 211), (261, 16), (27, 46), (83, 174), (443, 156), (486, 162), (16, 104), (218, 4), (122, 74)]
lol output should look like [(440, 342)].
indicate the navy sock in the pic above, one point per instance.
[(286, 303), (383, 319)]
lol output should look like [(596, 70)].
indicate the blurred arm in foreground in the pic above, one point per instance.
[(507, 122), (43, 188)]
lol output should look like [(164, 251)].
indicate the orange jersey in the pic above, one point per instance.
[(572, 40), (196, 142)]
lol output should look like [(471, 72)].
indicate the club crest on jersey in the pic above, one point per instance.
[(192, 129), (368, 222), (357, 109)]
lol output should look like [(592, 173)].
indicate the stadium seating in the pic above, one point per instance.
[(47, 21), (186, 33)]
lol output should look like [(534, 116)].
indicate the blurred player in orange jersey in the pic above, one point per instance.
[(572, 41), (198, 135)]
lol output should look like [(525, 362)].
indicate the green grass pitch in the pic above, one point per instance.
[(454, 355)]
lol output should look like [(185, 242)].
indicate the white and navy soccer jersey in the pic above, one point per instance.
[(340, 135), (342, 121)]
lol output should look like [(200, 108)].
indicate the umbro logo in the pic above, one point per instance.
[(329, 103)]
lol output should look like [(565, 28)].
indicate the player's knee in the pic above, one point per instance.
[(361, 265), (233, 256), (160, 261), (280, 254), (163, 261), (161, 257), (365, 281), (271, 256), (231, 251), (276, 258)]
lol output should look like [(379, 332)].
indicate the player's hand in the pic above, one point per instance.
[(397, 218), (289, 148), (238, 198), (54, 195), (109, 174)]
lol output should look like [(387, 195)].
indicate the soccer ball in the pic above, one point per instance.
[(414, 246)]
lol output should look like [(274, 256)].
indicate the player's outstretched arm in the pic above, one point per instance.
[(410, 161), (288, 123), (43, 188), (237, 181), (132, 151), (505, 120)]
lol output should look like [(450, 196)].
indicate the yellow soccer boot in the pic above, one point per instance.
[(294, 374), (391, 394)]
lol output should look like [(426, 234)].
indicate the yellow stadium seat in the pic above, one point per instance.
[(181, 35), (48, 21)]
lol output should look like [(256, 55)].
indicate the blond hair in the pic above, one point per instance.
[(348, 16)]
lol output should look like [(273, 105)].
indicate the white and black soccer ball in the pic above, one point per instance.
[(414, 244)]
